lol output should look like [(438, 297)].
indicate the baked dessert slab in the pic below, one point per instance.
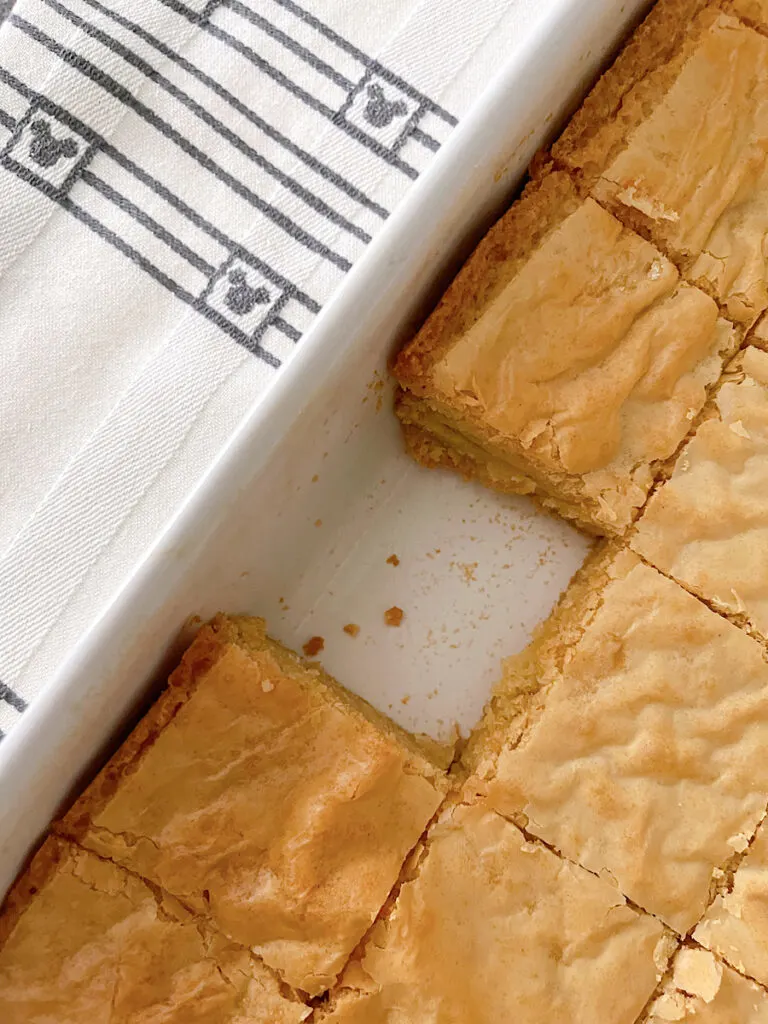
[(267, 799), (491, 927), (631, 736), (565, 360), (673, 141), (753, 12), (83, 940), (707, 525), (758, 336), (736, 924), (703, 991)]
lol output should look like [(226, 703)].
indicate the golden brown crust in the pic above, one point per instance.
[(753, 12), (197, 660), (646, 66), (489, 922), (38, 872), (603, 764), (247, 726), (581, 375), (433, 452), (542, 206), (524, 673), (86, 940)]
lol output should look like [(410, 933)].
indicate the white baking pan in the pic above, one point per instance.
[(297, 518)]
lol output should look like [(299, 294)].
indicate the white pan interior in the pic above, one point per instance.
[(315, 493)]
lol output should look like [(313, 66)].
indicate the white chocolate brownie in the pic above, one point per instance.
[(567, 360), (631, 737), (275, 804), (490, 928)]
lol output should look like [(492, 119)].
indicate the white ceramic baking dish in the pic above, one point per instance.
[(298, 516)]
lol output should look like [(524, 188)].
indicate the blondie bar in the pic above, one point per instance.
[(707, 525), (674, 140), (566, 360), (83, 940), (631, 736), (267, 799)]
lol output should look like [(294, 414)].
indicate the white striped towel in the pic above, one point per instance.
[(183, 184)]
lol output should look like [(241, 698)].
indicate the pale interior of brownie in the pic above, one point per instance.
[(440, 440), (527, 675)]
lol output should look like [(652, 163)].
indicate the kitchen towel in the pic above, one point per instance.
[(183, 185)]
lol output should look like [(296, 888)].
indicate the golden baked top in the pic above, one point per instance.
[(493, 928), (585, 361), (754, 12), (268, 802), (84, 940), (708, 524), (642, 751), (674, 140)]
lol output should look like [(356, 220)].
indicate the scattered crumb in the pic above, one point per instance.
[(468, 569), (393, 560), (405, 699), (318, 522), (315, 478), (267, 685), (244, 574), (352, 628), (393, 616), (313, 646), (281, 600)]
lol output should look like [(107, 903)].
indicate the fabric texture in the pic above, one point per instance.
[(183, 185)]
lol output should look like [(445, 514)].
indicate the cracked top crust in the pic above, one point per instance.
[(677, 146), (708, 524), (585, 358), (492, 925), (642, 751), (268, 802), (702, 991), (82, 940), (736, 924)]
